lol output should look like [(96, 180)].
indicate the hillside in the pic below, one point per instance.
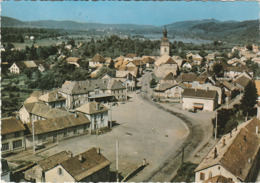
[(210, 29)]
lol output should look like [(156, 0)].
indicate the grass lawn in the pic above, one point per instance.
[(185, 173)]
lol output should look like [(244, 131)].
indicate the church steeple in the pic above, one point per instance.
[(165, 32), (165, 44)]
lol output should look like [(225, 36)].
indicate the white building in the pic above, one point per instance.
[(206, 100), (97, 113)]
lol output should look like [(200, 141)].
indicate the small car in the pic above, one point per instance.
[(193, 110), (39, 146)]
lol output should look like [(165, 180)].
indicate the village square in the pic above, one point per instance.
[(110, 105)]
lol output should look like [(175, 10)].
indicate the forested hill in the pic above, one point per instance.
[(210, 29)]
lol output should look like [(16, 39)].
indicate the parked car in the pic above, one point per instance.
[(39, 146), (193, 110)]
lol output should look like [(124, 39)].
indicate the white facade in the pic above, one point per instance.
[(14, 69), (98, 121), (165, 49), (207, 104), (210, 172), (58, 174)]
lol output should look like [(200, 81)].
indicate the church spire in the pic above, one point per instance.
[(165, 32)]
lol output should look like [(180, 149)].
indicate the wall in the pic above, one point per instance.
[(188, 103), (102, 175), (10, 138), (53, 176), (165, 69), (215, 170), (14, 69), (48, 137), (24, 115), (100, 123)]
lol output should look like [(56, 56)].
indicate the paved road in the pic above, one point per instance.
[(144, 131)]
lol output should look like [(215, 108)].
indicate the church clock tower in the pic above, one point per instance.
[(165, 44)]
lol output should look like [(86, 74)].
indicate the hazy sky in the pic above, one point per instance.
[(149, 13)]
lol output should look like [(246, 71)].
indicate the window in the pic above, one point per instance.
[(102, 116), (75, 130), (65, 132), (85, 127), (43, 137), (210, 174), (5, 147), (17, 144), (16, 134), (202, 176), (3, 137), (60, 171)]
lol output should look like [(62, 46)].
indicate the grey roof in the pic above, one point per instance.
[(83, 87), (198, 93), (49, 125)]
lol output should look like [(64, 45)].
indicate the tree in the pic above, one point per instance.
[(249, 47), (28, 73), (249, 99), (218, 68), (111, 64)]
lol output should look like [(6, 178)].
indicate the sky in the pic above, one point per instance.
[(132, 12)]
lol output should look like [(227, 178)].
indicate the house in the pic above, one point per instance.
[(206, 100), (169, 90), (230, 90), (33, 97), (53, 99), (56, 129), (81, 92), (232, 72), (97, 60), (127, 79), (169, 78), (241, 82), (187, 65), (18, 67), (130, 57), (31, 112), (74, 60), (218, 179), (149, 61), (235, 156), (209, 86), (89, 166), (164, 65), (178, 60), (186, 78), (97, 113), (38, 172), (121, 65), (12, 133), (197, 59)]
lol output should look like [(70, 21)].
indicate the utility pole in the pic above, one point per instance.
[(182, 159), (33, 138), (117, 146), (216, 125), (110, 114)]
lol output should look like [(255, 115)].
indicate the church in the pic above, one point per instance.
[(165, 64)]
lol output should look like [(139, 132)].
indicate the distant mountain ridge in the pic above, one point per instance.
[(210, 29)]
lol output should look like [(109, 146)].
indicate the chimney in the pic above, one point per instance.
[(98, 151), (76, 115), (70, 154), (98, 106), (244, 137), (80, 158), (236, 128), (17, 117), (256, 130), (57, 96), (207, 88), (144, 161), (231, 134), (224, 142), (215, 152)]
